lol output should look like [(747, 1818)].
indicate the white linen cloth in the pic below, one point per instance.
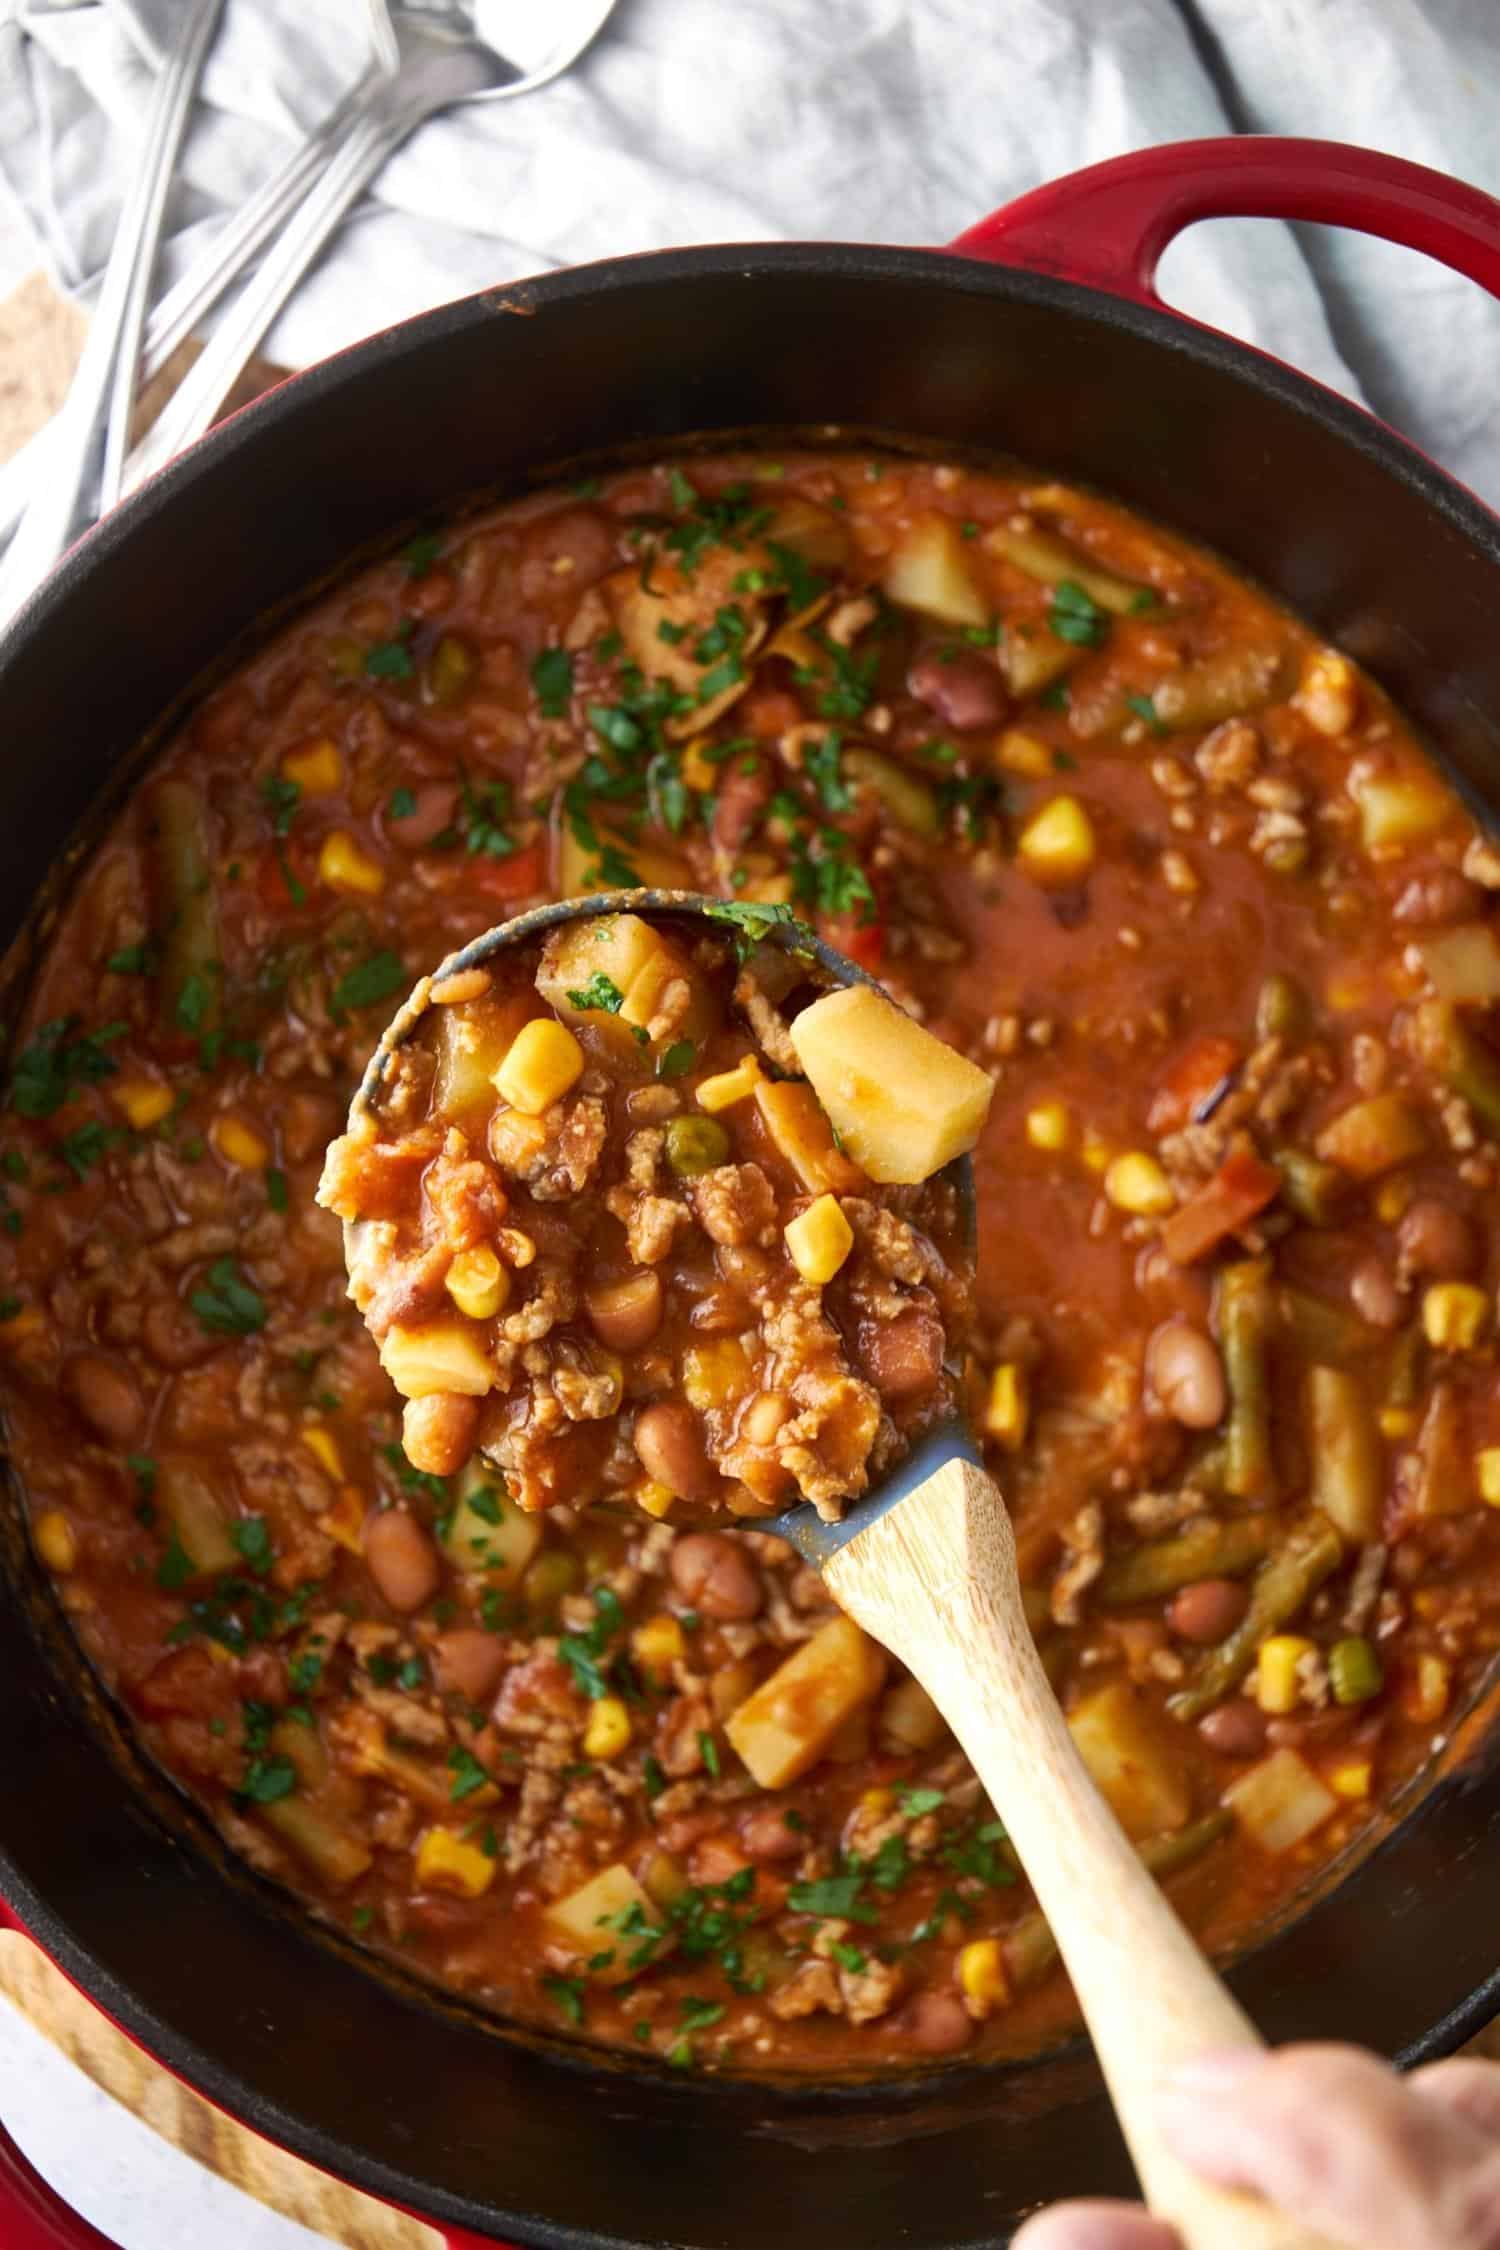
[(707, 120)]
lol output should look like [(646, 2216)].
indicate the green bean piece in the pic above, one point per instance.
[(1325, 1332), (1207, 1473), (1205, 1549), (1444, 1481), (1031, 1949), (1244, 1312), (1354, 1670), (1444, 1044), (1223, 686), (188, 985), (908, 800), (1052, 560), (1282, 1010), (1285, 1582), (1403, 1382), (695, 1145), (1345, 1455), (449, 672), (1316, 1192)]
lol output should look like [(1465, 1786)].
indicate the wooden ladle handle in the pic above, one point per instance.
[(934, 1578)]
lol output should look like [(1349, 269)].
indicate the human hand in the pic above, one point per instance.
[(1365, 2157)]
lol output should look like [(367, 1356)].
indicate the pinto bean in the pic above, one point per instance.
[(402, 1560), (174, 1336), (431, 813), (1435, 1239), (961, 688), (1207, 1611), (743, 795), (569, 550), (626, 1314), (1235, 1730), (437, 1433), (715, 1575), (767, 1837), (904, 1359), (106, 1395), (936, 2023), (1187, 1375), (1373, 1294), (669, 1439), (468, 1662)]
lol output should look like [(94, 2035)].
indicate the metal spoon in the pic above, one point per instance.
[(445, 59), (927, 1564)]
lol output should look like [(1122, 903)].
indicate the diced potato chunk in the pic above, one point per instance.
[(198, 1517), (473, 1039), (1032, 659), (798, 1124), (1399, 808), (612, 975), (1464, 963), (442, 1355), (902, 1103), (590, 1920), (651, 995), (930, 571), (1344, 1452), (1374, 1136), (487, 1533), (580, 867), (790, 1721), (1280, 1801), (332, 1851), (1136, 1766)]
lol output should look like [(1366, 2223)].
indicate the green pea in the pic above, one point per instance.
[(695, 1144), (1281, 1008), (1354, 1671)]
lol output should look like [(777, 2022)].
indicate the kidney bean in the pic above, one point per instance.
[(437, 1433), (743, 796), (1235, 1730), (904, 1358), (766, 1838), (468, 1662), (106, 1395), (936, 2023), (715, 1575), (569, 550), (174, 1336), (1441, 895), (1435, 1239), (401, 1559), (669, 1440), (626, 1314), (1187, 1375), (963, 689), (1373, 1294), (431, 813), (1208, 1610)]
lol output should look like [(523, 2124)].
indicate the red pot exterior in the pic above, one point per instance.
[(582, 2154)]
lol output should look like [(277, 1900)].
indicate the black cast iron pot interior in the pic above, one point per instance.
[(422, 2102)]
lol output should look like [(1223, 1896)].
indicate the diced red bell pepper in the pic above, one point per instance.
[(1203, 1064), (1238, 1192), (863, 942), (518, 876)]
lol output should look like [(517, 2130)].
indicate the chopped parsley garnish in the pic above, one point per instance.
[(581, 1651), (552, 677), (890, 1866), (176, 1566), (676, 1060), (143, 1469), (468, 1774), (601, 993), (194, 999), (568, 1994), (81, 1149), (753, 920), (801, 583), (391, 660), (653, 1777), (699, 2015), (915, 1802), (1056, 697), (225, 1303), (415, 1480), (708, 1927), (400, 805), (822, 762), (378, 978), (421, 553), (361, 1918), (837, 1897), (253, 1540), (727, 521), (47, 1072), (305, 1671), (412, 1675), (671, 799), (847, 688), (848, 1957), (1075, 616), (708, 1750), (133, 960), (276, 1192), (268, 1779), (485, 806), (827, 876), (485, 1503), (1144, 708), (975, 1854), (281, 798)]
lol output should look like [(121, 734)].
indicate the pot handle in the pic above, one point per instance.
[(33, 2216), (1108, 225)]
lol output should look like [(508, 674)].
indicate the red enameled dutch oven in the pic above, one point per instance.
[(1039, 334)]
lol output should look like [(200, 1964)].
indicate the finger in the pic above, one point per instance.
[(1465, 2085), (1096, 2226), (1333, 2135)]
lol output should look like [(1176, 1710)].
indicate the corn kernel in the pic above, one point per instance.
[(477, 1282), (544, 1061), (144, 1102), (1278, 1689), (1397, 1422), (819, 1240), (316, 768), (608, 1730), (729, 1086), (344, 867), (239, 1143), (655, 1499), (1135, 1182), (1023, 754), (1392, 1198), (696, 770), (1049, 1125), (1057, 845), (981, 1976), (1096, 1152), (1352, 1777), (448, 1862), (658, 1644), (1426, 1697), (1454, 1315), (715, 1372), (664, 1879), (1487, 1469), (56, 1541), (345, 1520), (1007, 1408), (321, 1445)]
